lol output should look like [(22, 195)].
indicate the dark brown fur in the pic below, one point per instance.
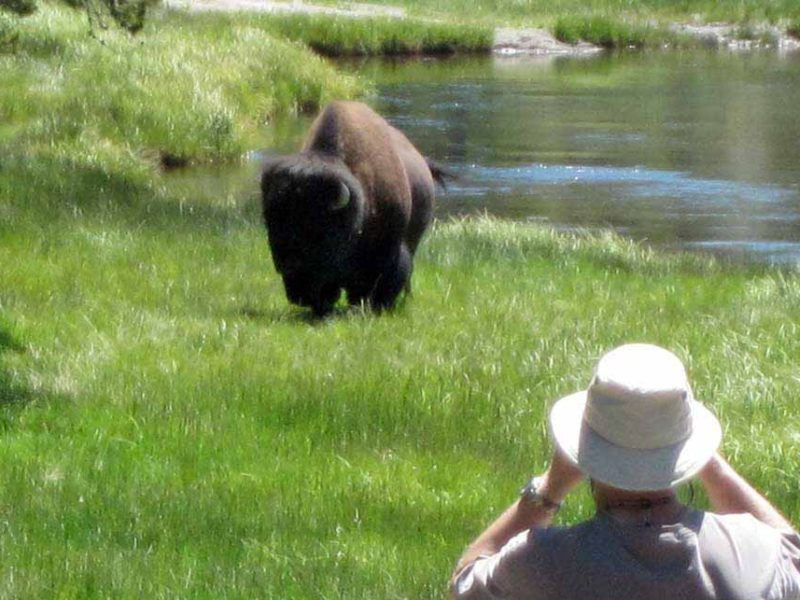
[(322, 243)]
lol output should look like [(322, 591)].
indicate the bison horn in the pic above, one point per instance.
[(343, 199)]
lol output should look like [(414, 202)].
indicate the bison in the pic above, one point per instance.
[(348, 211)]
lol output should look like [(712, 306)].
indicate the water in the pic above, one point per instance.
[(695, 150)]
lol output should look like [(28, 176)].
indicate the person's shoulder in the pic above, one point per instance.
[(743, 523), (747, 535), (549, 540), (775, 552), (735, 526), (564, 540)]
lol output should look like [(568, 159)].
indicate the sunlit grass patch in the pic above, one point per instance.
[(338, 36)]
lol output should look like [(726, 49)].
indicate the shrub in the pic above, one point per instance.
[(9, 35), (20, 7)]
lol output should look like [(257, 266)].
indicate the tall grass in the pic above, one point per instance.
[(602, 32), (615, 33), (176, 90), (338, 36)]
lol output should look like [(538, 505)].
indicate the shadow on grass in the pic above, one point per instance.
[(47, 189), (10, 393), (296, 314), (14, 397), (274, 315), (293, 314)]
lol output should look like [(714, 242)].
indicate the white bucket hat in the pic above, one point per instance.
[(638, 426)]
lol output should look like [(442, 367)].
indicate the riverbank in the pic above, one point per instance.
[(568, 32)]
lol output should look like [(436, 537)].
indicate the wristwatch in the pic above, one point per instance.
[(530, 493)]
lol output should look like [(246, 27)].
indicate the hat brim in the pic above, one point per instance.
[(629, 468)]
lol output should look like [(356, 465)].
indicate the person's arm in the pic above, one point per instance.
[(557, 482), (728, 492)]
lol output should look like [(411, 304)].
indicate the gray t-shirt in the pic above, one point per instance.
[(703, 556)]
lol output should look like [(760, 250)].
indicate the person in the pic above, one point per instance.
[(637, 433)]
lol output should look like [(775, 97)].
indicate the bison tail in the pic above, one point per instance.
[(439, 173)]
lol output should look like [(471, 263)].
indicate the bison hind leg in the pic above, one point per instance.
[(395, 277), (378, 282)]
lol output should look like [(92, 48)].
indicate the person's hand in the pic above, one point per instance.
[(561, 478)]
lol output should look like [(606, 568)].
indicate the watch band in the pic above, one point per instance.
[(532, 494)]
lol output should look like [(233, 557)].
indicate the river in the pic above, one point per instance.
[(696, 151)]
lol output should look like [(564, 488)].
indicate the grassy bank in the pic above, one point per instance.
[(181, 89), (609, 33), (545, 12), (172, 428), (615, 24), (189, 87), (341, 36)]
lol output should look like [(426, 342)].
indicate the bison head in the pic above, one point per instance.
[(313, 210)]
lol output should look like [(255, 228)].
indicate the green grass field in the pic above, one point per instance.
[(171, 428)]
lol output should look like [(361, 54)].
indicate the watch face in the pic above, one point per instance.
[(530, 493)]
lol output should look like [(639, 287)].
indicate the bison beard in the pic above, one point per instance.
[(348, 211)]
